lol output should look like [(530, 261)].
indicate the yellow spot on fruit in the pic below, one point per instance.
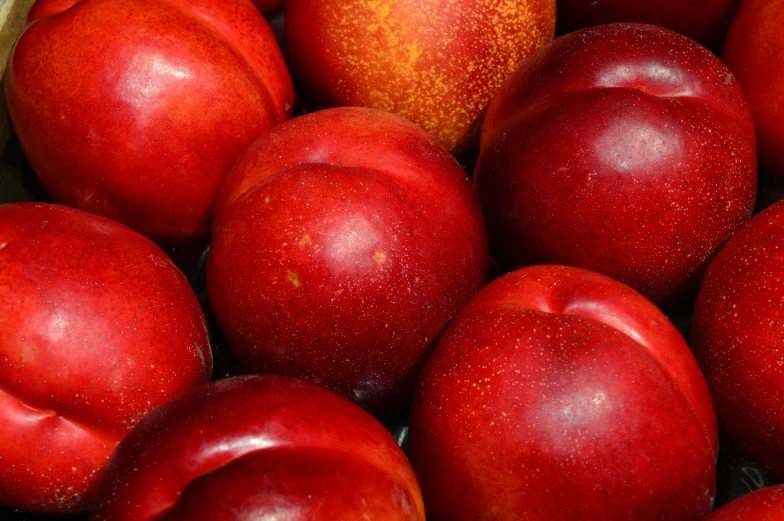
[(379, 257), (304, 241), (266, 200), (293, 278), (414, 52), (379, 8)]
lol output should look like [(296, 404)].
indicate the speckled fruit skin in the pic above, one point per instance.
[(754, 51), (625, 149), (136, 110), (763, 505), (259, 447), (738, 336), (558, 393), (97, 328), (344, 242), (437, 63), (706, 21)]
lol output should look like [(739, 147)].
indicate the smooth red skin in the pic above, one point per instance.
[(137, 110), (754, 51), (762, 505), (267, 5), (625, 149), (246, 447), (738, 336), (97, 328), (706, 21), (558, 393), (344, 242)]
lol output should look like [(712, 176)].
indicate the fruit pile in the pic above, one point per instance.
[(394, 260)]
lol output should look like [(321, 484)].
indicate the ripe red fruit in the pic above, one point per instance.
[(755, 53), (437, 63), (344, 241), (137, 110), (738, 336), (259, 447), (624, 149), (706, 21), (763, 505), (558, 393), (97, 328)]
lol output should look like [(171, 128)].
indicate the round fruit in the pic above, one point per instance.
[(624, 149), (738, 336), (137, 110), (437, 63), (558, 393), (344, 242), (97, 328), (259, 447), (755, 53)]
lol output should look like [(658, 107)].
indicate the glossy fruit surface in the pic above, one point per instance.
[(558, 393), (97, 328), (136, 110), (624, 149), (763, 505), (437, 63), (344, 241), (259, 447), (755, 53), (706, 21), (738, 336)]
